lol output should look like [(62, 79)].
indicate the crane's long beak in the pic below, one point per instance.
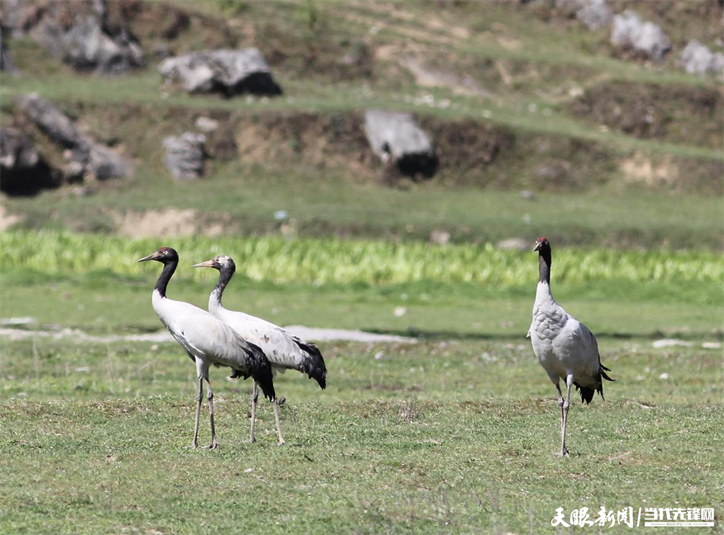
[(537, 246), (208, 263), (152, 256)]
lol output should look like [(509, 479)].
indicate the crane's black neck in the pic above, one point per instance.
[(544, 265), (168, 269), (225, 274)]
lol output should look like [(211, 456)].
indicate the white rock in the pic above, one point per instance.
[(698, 59), (206, 124), (671, 342), (647, 37)]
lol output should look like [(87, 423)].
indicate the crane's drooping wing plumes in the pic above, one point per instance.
[(283, 349), (578, 341)]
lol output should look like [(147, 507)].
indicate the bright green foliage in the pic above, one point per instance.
[(317, 261)]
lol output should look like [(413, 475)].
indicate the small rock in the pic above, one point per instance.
[(647, 37), (206, 124), (185, 155), (711, 345), (400, 311), (664, 376)]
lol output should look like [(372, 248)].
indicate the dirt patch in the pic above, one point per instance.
[(162, 223), (682, 114), (321, 140), (7, 220), (163, 29), (640, 169), (668, 172)]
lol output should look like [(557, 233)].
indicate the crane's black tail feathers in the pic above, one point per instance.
[(260, 370), (587, 393), (313, 365)]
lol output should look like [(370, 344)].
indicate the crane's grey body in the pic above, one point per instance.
[(564, 347), (207, 340), (284, 350), (204, 337)]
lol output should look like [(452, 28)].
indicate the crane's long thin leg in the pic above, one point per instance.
[(199, 396), (210, 397), (566, 404), (279, 424), (560, 402), (254, 400)]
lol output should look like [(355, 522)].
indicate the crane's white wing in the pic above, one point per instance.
[(204, 336), (283, 349), (577, 346)]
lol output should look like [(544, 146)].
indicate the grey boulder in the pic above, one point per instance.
[(77, 31), (396, 138), (646, 37), (185, 155), (229, 72), (698, 59), (88, 157)]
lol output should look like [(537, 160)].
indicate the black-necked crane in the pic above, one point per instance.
[(284, 350), (564, 346), (207, 341)]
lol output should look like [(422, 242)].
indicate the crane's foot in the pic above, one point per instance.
[(281, 401), (213, 445), (281, 442), (563, 452), (194, 445)]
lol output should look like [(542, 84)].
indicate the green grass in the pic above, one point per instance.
[(94, 283), (435, 437), (319, 206), (454, 433)]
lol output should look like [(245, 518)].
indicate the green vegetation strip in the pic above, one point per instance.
[(323, 261)]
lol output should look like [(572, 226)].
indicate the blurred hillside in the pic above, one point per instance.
[(540, 125)]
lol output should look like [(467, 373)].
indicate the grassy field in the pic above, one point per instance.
[(432, 437), (453, 433)]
